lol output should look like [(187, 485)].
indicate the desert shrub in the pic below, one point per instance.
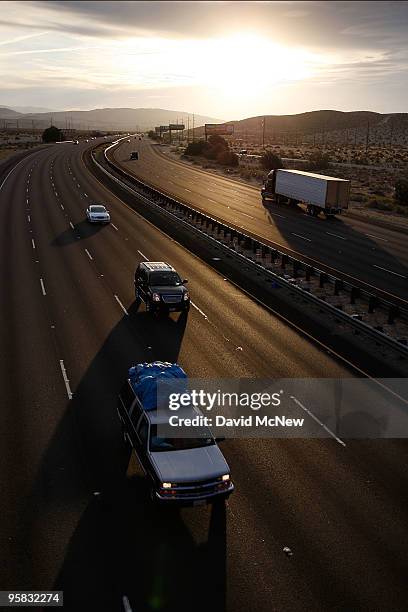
[(271, 161), (318, 161), (227, 158), (358, 197), (401, 191), (196, 148), (52, 134), (379, 204)]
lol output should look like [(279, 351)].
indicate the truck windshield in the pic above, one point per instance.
[(158, 444), (165, 279)]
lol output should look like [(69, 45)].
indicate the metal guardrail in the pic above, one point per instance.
[(265, 258)]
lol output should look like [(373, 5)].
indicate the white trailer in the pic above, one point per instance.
[(320, 193)]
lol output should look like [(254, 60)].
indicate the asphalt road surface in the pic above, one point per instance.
[(370, 253), (72, 520)]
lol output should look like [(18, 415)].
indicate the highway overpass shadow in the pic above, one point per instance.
[(107, 538), (125, 546), (340, 245), (81, 230)]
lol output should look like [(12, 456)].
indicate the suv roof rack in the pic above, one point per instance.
[(157, 265)]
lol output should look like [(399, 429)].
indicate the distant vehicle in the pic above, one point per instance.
[(320, 193), (159, 286), (87, 140), (181, 471), (243, 152), (128, 140), (97, 213), (134, 155), (76, 142)]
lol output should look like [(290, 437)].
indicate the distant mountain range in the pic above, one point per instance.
[(102, 118), (319, 127), (29, 109), (324, 127)]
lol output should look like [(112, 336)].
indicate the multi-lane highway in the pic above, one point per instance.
[(69, 518), (370, 253)]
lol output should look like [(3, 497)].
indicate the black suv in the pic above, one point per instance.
[(159, 286)]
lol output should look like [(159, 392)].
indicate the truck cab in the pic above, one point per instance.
[(181, 470), (268, 187)]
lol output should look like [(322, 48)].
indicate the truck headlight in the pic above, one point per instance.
[(156, 297), (166, 485), (226, 477), (186, 296)]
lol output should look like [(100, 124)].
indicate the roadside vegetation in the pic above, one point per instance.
[(214, 149)]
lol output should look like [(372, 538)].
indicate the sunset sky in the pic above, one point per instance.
[(224, 59)]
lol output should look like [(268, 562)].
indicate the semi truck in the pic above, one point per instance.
[(320, 193)]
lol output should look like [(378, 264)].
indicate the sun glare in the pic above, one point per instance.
[(249, 62)]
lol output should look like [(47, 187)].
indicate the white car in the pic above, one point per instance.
[(97, 213)]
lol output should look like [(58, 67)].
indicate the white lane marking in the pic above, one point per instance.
[(62, 206), (27, 201), (246, 215), (126, 604), (185, 189), (377, 237), (390, 271), (116, 228), (336, 235), (89, 255), (56, 193), (141, 254), (329, 431), (71, 225), (121, 305), (208, 189), (78, 185), (299, 236), (42, 286), (86, 195), (33, 243), (276, 214), (210, 200), (66, 380), (29, 218), (199, 310)]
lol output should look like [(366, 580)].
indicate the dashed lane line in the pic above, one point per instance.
[(120, 304), (377, 237), (389, 271), (141, 255), (66, 380), (89, 255), (329, 431), (300, 236), (336, 236), (42, 287), (199, 310)]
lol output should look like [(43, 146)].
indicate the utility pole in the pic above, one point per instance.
[(188, 129), (367, 135), (193, 127), (263, 132)]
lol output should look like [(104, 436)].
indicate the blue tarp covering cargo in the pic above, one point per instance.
[(145, 376)]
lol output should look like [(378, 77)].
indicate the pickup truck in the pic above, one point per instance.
[(183, 471)]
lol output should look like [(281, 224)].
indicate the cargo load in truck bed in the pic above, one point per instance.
[(144, 378)]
